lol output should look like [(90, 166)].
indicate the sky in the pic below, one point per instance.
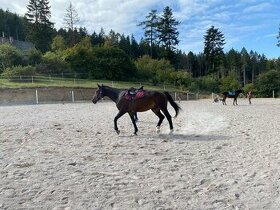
[(253, 24)]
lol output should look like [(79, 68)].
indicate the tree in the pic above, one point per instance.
[(9, 56), (71, 17), (278, 37), (112, 39), (40, 29), (268, 82), (58, 43), (33, 10), (12, 25), (213, 48), (245, 60), (150, 27), (167, 30)]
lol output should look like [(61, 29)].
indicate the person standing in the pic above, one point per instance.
[(249, 96)]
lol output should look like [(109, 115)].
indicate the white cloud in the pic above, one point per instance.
[(258, 8), (237, 19)]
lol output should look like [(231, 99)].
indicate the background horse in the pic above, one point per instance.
[(233, 95), (154, 100)]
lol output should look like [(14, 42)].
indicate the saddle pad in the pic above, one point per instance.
[(139, 94), (230, 93)]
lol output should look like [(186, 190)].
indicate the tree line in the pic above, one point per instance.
[(114, 56)]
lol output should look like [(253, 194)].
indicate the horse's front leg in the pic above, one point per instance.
[(132, 117), (121, 113)]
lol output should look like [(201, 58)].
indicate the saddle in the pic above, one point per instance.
[(231, 93), (133, 93)]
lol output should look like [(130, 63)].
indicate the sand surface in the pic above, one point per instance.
[(57, 156)]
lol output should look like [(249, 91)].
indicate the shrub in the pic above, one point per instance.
[(9, 56), (53, 63), (33, 56), (229, 83), (17, 73), (154, 70), (249, 87), (267, 83)]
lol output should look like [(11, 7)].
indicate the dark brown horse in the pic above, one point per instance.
[(154, 100), (233, 94)]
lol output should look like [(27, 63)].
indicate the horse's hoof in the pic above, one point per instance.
[(118, 132), (158, 129), (171, 131)]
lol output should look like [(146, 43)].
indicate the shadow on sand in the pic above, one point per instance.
[(193, 137), (180, 137)]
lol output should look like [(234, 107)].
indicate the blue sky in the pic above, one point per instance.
[(253, 24)]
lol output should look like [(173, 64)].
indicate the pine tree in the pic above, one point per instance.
[(213, 48), (40, 29), (245, 60), (33, 10), (150, 27), (167, 30), (45, 13), (71, 17), (278, 37)]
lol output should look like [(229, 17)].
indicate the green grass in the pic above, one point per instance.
[(43, 81)]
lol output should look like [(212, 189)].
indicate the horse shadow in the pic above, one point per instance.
[(181, 137), (194, 137)]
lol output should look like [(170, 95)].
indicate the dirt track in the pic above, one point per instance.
[(69, 157)]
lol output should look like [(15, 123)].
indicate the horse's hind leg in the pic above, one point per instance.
[(169, 118), (224, 101), (132, 117), (160, 116)]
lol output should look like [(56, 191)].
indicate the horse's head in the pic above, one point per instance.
[(98, 94)]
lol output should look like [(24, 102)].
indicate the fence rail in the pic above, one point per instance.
[(62, 88), (62, 80)]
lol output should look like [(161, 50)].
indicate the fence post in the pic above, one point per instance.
[(212, 96), (175, 96), (36, 95), (273, 93), (196, 96), (187, 96), (32, 79), (73, 97)]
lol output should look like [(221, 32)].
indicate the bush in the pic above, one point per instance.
[(229, 83), (267, 83), (181, 78), (154, 70), (209, 84), (53, 63), (17, 73), (33, 56), (112, 63), (9, 56), (249, 87)]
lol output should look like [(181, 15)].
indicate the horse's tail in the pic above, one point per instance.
[(173, 103)]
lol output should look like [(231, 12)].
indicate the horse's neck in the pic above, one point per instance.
[(112, 93)]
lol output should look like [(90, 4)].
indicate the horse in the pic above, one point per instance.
[(233, 95), (154, 100)]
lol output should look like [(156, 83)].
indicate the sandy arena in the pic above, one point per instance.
[(56, 156)]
